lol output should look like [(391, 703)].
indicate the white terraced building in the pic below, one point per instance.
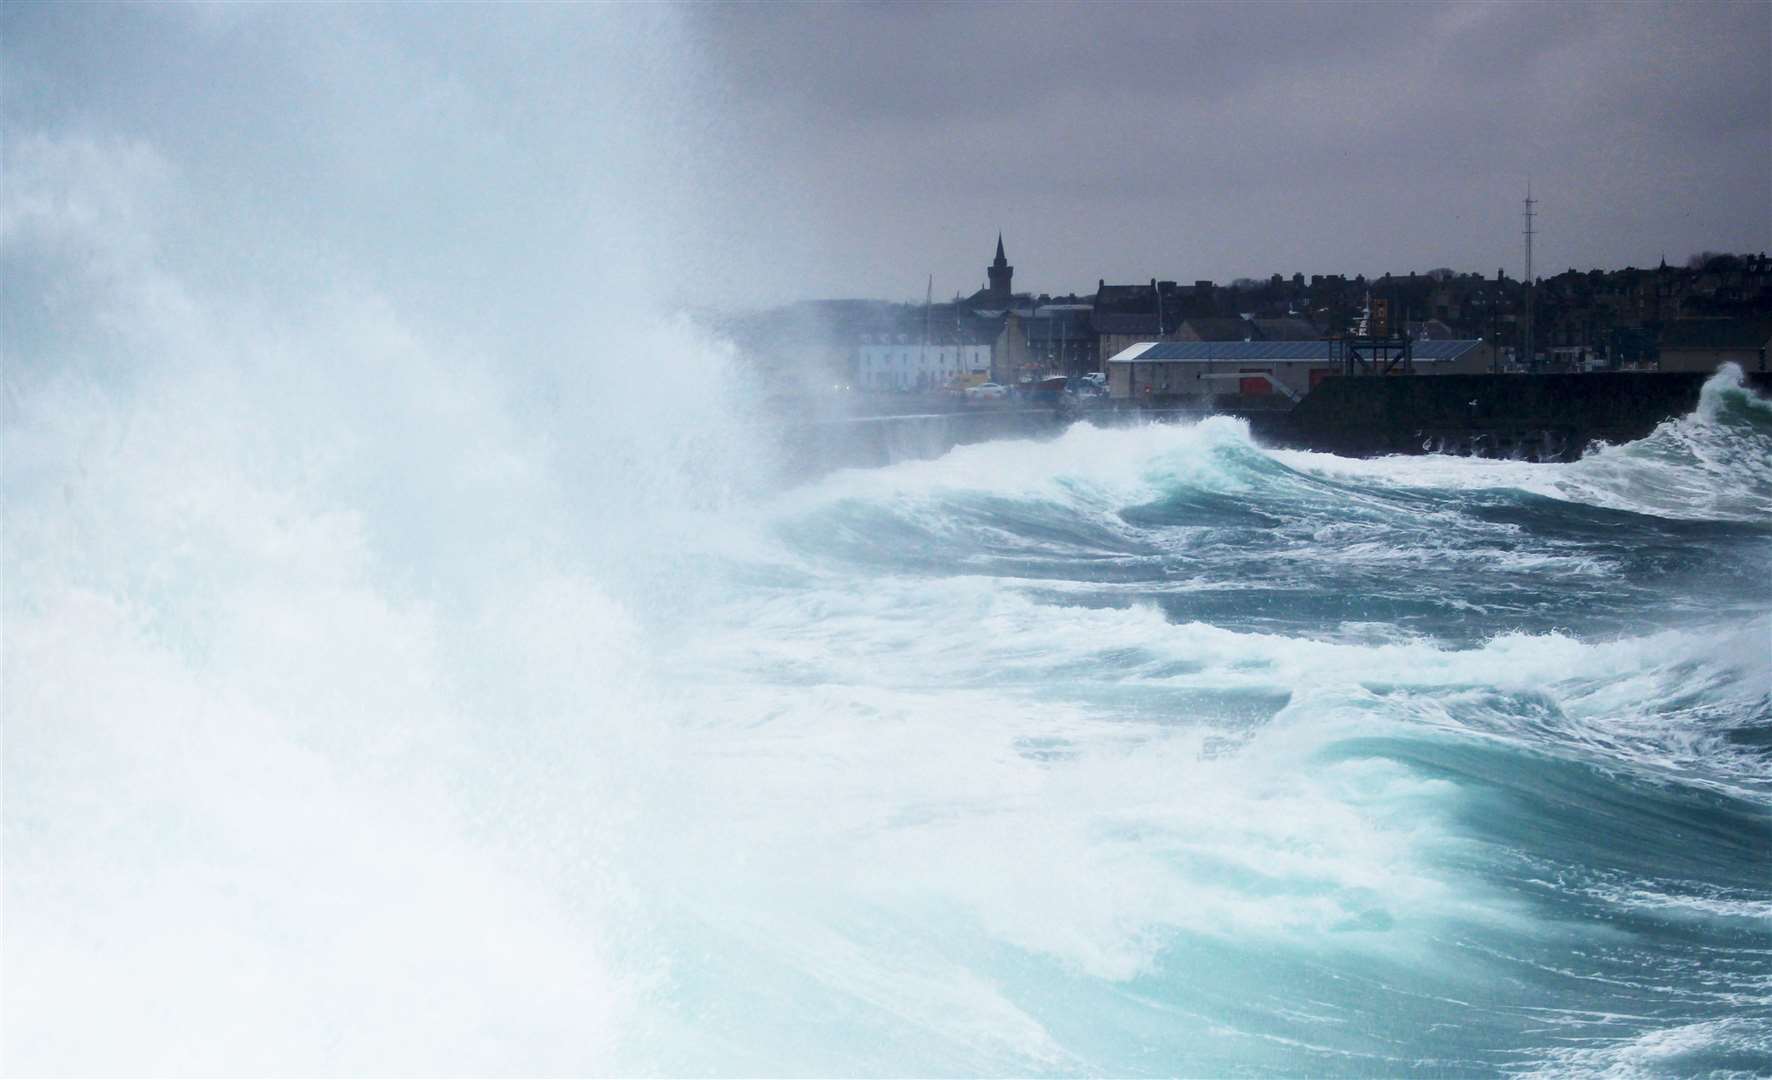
[(1152, 369), (918, 367)]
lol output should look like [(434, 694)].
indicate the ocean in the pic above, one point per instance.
[(436, 728)]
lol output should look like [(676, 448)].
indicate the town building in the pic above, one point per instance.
[(1123, 315), (1055, 339), (909, 366), (1288, 328), (1217, 329)]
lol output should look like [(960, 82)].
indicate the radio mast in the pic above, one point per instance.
[(1526, 330)]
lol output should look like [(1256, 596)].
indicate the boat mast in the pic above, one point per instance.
[(928, 299)]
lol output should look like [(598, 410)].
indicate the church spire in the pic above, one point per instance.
[(999, 273)]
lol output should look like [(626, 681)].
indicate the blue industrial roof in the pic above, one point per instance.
[(1246, 351)]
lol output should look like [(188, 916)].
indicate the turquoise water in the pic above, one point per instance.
[(1154, 751), (1143, 751)]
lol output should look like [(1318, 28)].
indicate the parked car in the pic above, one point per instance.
[(986, 391)]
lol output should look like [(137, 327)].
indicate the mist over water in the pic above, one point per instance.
[(398, 681)]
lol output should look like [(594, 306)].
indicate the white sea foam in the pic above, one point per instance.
[(309, 770), (1665, 1051), (320, 737), (361, 717)]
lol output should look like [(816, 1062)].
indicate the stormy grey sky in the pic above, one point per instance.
[(1125, 141), (739, 154)]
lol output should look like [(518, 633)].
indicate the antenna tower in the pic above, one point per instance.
[(1526, 335)]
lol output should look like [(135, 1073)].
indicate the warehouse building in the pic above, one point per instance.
[(1253, 369)]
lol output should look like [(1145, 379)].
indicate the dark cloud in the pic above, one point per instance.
[(757, 152), (1200, 140)]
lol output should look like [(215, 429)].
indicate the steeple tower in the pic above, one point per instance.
[(999, 273)]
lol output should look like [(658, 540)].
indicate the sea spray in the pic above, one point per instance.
[(395, 689), (328, 709), (350, 745)]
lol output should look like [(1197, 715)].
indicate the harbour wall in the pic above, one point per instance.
[(1550, 417)]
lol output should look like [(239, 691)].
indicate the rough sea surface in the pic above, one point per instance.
[(333, 747)]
